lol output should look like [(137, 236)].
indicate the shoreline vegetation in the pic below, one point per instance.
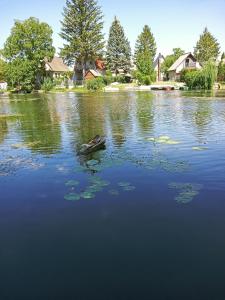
[(24, 66)]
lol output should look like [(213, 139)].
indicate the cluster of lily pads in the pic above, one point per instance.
[(187, 191), (96, 185)]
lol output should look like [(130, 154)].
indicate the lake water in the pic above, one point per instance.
[(142, 219)]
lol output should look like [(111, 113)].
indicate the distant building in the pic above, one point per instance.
[(56, 68), (95, 68), (92, 74), (186, 61), (157, 67)]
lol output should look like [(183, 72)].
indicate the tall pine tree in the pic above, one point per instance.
[(145, 43), (207, 48), (82, 30), (145, 51), (118, 53)]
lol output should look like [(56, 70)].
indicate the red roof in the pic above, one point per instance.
[(100, 65)]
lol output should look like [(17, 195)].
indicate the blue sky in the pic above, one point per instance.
[(174, 23)]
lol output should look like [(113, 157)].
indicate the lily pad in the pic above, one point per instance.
[(87, 195), (186, 196), (199, 148), (72, 197), (94, 188), (187, 191), (164, 139), (92, 162), (72, 183)]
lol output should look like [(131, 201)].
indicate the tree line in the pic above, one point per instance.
[(30, 43)]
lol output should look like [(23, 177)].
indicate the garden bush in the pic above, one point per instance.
[(202, 79), (47, 85), (95, 84)]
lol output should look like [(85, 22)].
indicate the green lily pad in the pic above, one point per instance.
[(186, 196), (92, 162), (72, 197), (87, 195), (72, 183), (164, 139), (199, 148), (187, 191), (94, 188)]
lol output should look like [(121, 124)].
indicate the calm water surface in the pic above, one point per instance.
[(142, 219)]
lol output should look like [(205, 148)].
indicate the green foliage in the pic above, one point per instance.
[(95, 84), (184, 72), (120, 78), (144, 63), (145, 51), (207, 48), (2, 70), (221, 69), (21, 74), (47, 85), (108, 78), (146, 79), (118, 53), (82, 31), (170, 60), (29, 43), (145, 44), (202, 79)]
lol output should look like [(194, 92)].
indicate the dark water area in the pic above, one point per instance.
[(142, 219)]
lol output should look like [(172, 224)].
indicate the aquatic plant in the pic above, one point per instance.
[(163, 140), (199, 148), (72, 183), (187, 191), (72, 197), (92, 162), (87, 195)]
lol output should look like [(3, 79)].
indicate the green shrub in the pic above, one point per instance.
[(120, 79), (184, 72), (108, 78), (202, 79), (95, 84), (47, 85), (145, 79)]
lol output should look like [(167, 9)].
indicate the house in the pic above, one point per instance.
[(56, 68), (157, 67), (92, 74), (186, 61), (100, 66), (93, 66)]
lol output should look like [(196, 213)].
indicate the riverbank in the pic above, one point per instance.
[(117, 87)]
